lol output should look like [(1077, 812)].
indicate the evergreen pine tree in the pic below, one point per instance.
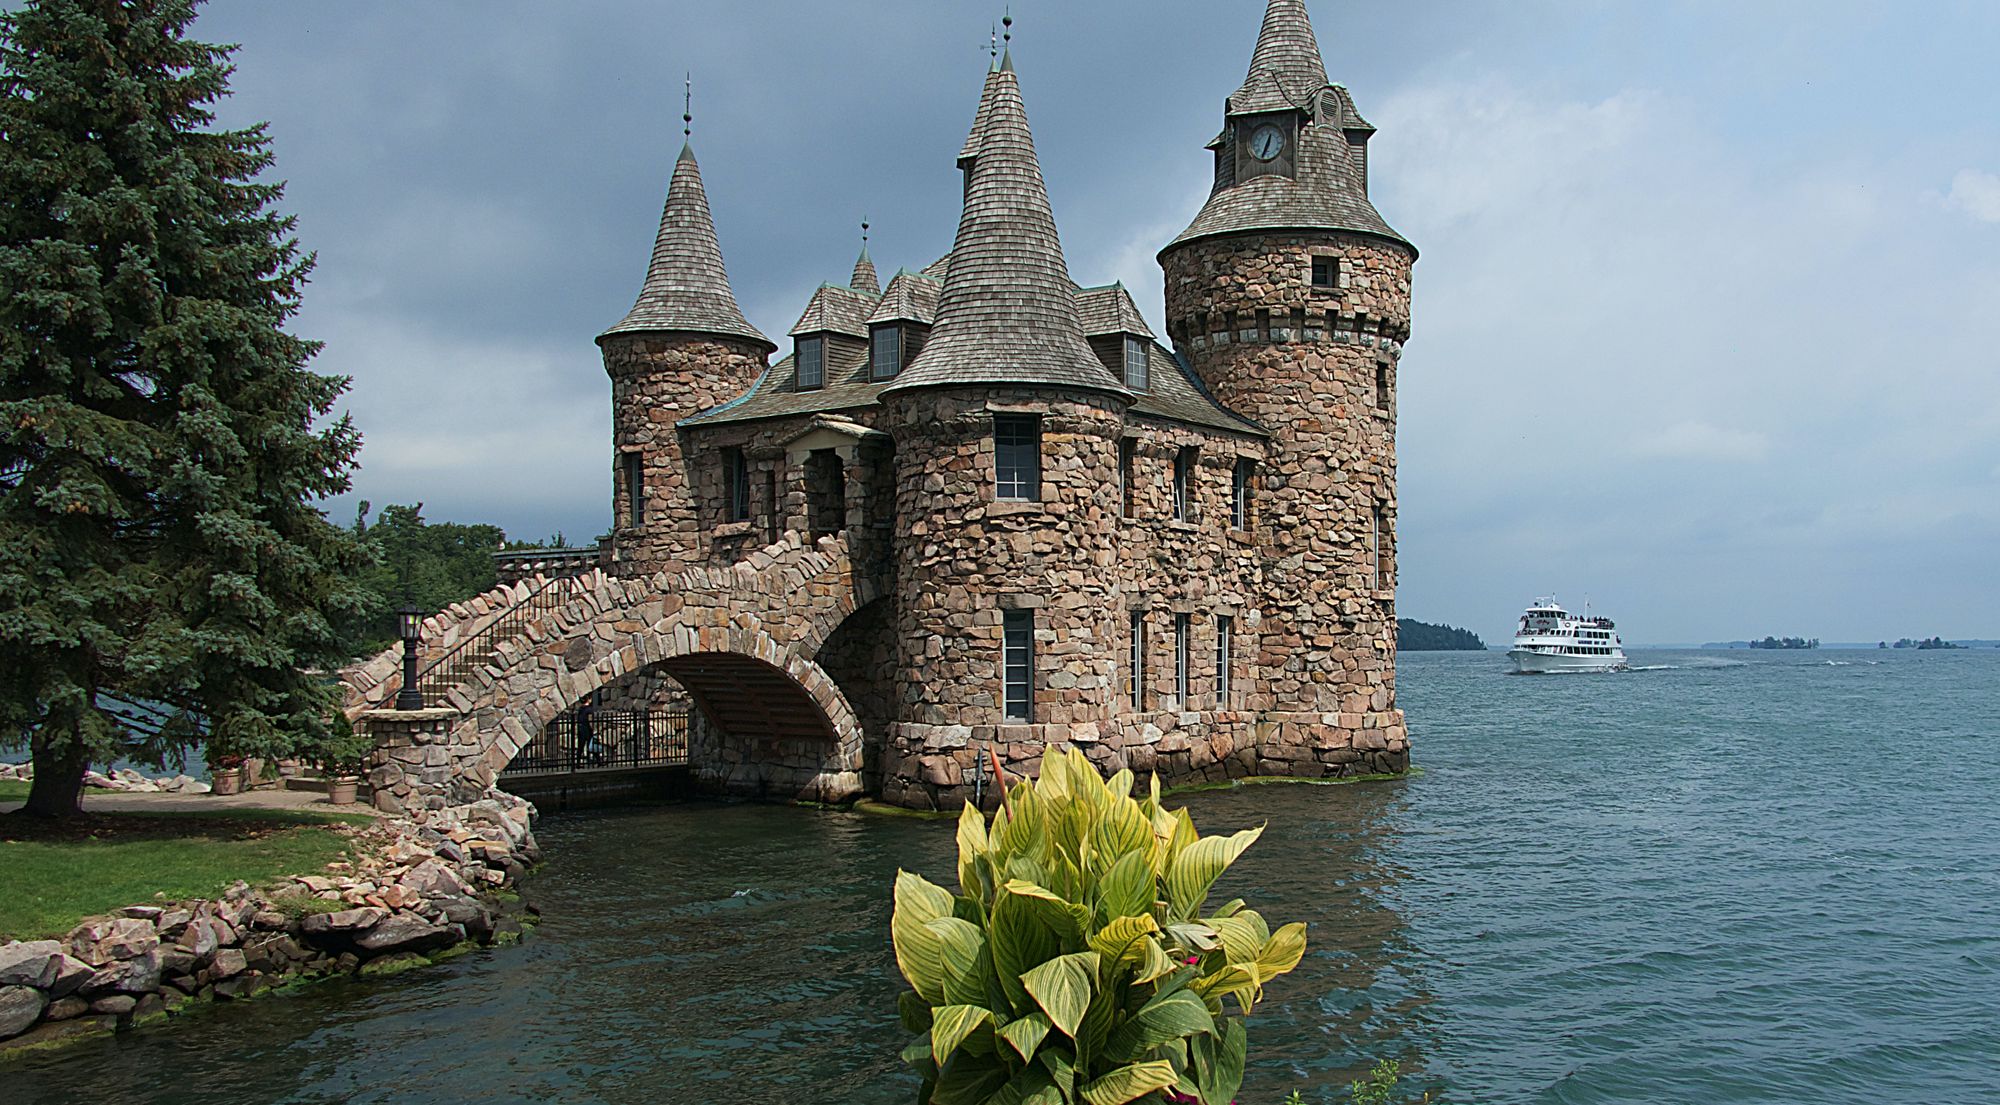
[(160, 437)]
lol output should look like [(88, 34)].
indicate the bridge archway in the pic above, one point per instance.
[(744, 641)]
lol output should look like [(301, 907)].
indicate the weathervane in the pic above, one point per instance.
[(993, 42), (687, 106), (1007, 24), (864, 232)]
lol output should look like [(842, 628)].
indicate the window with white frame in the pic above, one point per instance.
[(1017, 457), (1137, 371), (885, 352), (810, 355), (1018, 664)]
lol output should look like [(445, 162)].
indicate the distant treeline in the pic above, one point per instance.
[(1931, 642), (1416, 636), (1786, 642)]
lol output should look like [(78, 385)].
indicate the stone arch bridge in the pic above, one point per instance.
[(744, 640)]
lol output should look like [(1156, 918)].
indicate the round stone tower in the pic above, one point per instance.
[(683, 348), (1007, 429), (1290, 297)]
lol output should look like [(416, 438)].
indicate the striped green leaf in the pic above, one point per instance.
[(1063, 987), (1129, 1083)]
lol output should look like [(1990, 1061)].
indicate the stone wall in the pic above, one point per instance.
[(416, 889), (657, 379), (965, 557), (1316, 366)]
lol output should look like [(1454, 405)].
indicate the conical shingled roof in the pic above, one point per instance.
[(1007, 313), (686, 286), (1286, 73), (864, 279), (1285, 69)]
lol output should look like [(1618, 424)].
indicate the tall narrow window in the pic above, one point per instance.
[(1017, 457), (1127, 449), (811, 362), (635, 489), (1376, 559), (770, 507), (885, 353), (1184, 464), (1137, 373), (1225, 627), (736, 474), (1135, 669), (1382, 386), (1240, 482), (1182, 631), (1018, 660)]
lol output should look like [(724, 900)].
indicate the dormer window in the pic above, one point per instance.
[(885, 352), (1136, 370), (811, 357)]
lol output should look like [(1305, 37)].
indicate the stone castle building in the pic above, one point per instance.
[(1176, 551), (981, 510)]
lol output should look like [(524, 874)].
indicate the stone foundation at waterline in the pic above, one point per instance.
[(415, 890)]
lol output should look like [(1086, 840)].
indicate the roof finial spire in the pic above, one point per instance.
[(864, 232), (1007, 22), (993, 42), (687, 106)]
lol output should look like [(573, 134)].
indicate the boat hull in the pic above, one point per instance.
[(1528, 662)]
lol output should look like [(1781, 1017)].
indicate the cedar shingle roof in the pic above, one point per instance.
[(1007, 313), (863, 279), (836, 309), (1286, 73), (1109, 310), (1285, 69), (912, 297), (686, 286)]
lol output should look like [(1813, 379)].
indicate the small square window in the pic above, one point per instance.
[(1325, 272)]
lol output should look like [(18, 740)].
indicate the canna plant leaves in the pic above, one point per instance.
[(1063, 987), (1129, 1083), (1194, 870)]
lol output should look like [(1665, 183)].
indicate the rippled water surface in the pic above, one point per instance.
[(1743, 877)]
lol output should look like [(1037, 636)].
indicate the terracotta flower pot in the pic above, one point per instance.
[(228, 780), (340, 790)]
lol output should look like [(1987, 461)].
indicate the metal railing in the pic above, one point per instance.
[(469, 655), (606, 740)]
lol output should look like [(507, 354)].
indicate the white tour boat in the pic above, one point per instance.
[(1551, 639)]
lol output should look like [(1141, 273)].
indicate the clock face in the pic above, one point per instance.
[(1266, 142)]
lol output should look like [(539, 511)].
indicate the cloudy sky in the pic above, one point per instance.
[(1706, 319)]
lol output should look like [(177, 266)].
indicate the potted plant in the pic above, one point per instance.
[(342, 759), (226, 771), (1080, 959)]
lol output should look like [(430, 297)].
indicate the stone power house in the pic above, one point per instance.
[(983, 507)]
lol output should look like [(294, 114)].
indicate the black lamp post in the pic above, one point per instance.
[(409, 623)]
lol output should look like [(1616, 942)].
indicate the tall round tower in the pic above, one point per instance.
[(1007, 428), (683, 348), (1290, 297)]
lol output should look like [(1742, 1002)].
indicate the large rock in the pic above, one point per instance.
[(20, 1008), (105, 941), (407, 932), (229, 962), (29, 963), (345, 921), (126, 976), (70, 974), (434, 880)]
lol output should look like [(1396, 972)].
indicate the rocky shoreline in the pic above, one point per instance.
[(412, 891)]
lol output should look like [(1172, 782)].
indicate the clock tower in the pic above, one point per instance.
[(1290, 297)]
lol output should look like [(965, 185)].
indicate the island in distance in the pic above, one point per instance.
[(1415, 636)]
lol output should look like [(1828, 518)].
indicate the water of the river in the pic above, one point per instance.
[(1741, 877)]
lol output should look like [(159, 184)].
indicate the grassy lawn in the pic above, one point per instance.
[(13, 790), (52, 876)]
